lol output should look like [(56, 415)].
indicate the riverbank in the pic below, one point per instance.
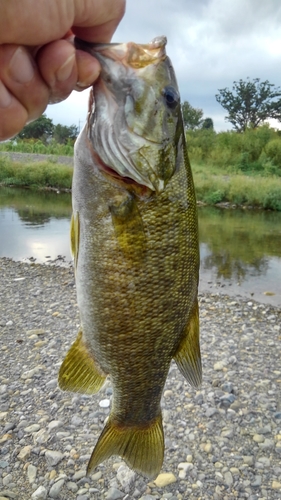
[(222, 442), (212, 187)]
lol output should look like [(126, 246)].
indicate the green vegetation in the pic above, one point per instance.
[(38, 174), (36, 146), (244, 169)]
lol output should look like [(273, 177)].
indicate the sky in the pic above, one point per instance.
[(211, 43)]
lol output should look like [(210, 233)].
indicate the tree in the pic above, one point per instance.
[(62, 133), (250, 103), (41, 128), (208, 124), (192, 117)]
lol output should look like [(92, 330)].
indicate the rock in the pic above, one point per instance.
[(276, 485), (39, 494), (258, 438), (32, 428), (31, 373), (54, 424), (56, 488), (114, 494), (53, 457), (24, 453), (71, 486), (104, 403), (165, 479), (79, 474), (228, 479), (125, 476), (31, 473)]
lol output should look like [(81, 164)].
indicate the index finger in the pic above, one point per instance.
[(44, 21)]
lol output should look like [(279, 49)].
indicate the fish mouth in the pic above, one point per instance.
[(131, 54)]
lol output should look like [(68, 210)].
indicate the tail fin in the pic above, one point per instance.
[(142, 448)]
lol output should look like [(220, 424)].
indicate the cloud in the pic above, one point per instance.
[(211, 44)]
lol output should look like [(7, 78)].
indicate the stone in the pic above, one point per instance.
[(114, 494), (72, 486), (104, 403), (276, 485), (56, 488), (39, 494), (165, 479), (228, 479), (31, 473), (53, 457), (258, 438), (32, 428), (125, 476), (24, 453)]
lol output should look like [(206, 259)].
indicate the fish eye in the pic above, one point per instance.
[(171, 97)]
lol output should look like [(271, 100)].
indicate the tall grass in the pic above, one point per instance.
[(239, 189), (35, 146), (40, 174), (253, 152)]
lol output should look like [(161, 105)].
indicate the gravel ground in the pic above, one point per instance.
[(222, 442)]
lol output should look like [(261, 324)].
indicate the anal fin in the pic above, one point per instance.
[(188, 357), (78, 372), (142, 448)]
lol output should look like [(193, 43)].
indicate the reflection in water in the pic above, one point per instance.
[(240, 250)]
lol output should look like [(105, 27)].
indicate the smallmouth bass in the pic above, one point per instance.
[(134, 239)]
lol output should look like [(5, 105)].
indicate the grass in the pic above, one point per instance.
[(239, 189), (35, 175), (36, 146)]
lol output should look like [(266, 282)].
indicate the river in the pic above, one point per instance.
[(240, 249)]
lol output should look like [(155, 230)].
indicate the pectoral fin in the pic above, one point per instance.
[(141, 448), (188, 357), (78, 372), (74, 237), (128, 227)]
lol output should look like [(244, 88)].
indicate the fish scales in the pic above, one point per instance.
[(135, 245)]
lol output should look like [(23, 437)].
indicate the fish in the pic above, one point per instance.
[(134, 239)]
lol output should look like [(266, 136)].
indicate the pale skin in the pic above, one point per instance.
[(38, 62)]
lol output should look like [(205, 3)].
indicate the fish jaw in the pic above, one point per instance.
[(135, 113)]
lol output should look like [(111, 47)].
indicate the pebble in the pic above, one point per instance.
[(39, 494), (53, 457), (164, 479), (31, 473), (212, 449), (114, 494), (56, 488)]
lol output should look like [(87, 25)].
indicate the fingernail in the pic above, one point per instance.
[(64, 72), (5, 96), (21, 68)]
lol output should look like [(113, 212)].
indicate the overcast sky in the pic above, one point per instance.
[(211, 44)]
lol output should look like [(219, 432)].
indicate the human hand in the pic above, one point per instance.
[(38, 62)]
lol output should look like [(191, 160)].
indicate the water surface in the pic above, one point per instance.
[(240, 249)]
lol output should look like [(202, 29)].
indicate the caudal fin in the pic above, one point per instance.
[(142, 448)]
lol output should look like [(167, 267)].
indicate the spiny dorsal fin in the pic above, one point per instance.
[(188, 357), (142, 448), (78, 372)]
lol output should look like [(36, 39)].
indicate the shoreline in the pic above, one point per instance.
[(223, 441)]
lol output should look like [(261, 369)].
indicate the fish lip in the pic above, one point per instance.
[(155, 43)]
